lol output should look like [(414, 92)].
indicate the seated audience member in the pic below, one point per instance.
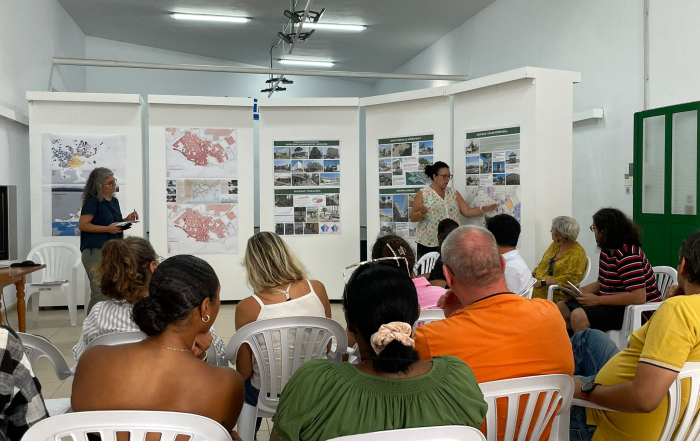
[(394, 246), (625, 276), (437, 278), (506, 229), (281, 289), (390, 388), (563, 262), (499, 334), (635, 381), (123, 274), (162, 372), (20, 391)]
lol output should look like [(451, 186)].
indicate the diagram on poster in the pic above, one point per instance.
[(202, 229), (394, 208), (402, 161), (309, 207), (201, 153), (62, 207), (68, 159), (493, 171)]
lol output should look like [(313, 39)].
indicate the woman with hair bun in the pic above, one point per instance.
[(162, 373), (437, 202), (123, 274), (390, 388)]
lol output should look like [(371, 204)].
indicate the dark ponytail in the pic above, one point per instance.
[(178, 286), (431, 170), (378, 294)]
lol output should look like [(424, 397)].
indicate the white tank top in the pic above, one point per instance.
[(308, 305)]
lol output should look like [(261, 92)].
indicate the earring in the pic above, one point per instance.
[(207, 320)]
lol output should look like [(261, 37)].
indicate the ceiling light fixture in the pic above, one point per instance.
[(335, 27), (200, 17), (306, 63)]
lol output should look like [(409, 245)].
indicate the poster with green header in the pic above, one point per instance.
[(402, 160), (307, 187)]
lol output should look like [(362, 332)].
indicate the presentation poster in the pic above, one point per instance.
[(201, 190), (493, 170), (67, 161), (394, 208), (402, 161), (307, 187)]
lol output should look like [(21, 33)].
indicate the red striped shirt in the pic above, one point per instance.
[(626, 269)]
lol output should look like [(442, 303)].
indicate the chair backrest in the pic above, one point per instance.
[(429, 316), (426, 263), (554, 391), (117, 338), (59, 258), (36, 347), (689, 425), (76, 426), (665, 277), (441, 433), (528, 291), (587, 271), (300, 339)]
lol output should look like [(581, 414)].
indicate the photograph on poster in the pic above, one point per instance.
[(300, 153), (473, 165), (385, 150), (283, 180), (288, 229), (201, 152), (331, 165), (385, 179), (417, 178), (397, 166), (425, 148), (499, 167), (472, 180), (279, 229), (283, 153), (513, 179), (472, 147), (330, 178), (499, 179), (282, 166), (311, 214), (384, 165), (485, 159), (171, 183), (424, 161), (201, 191), (284, 200), (333, 200), (313, 166), (298, 229)]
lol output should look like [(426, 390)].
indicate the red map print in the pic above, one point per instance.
[(198, 151), (199, 226)]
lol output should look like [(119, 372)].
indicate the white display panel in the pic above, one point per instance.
[(91, 115), (324, 255), (219, 185), (396, 116)]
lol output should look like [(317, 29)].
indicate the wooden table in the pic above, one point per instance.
[(17, 276)]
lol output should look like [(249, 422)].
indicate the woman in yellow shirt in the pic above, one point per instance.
[(564, 261)]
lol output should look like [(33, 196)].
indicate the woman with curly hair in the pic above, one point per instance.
[(99, 217), (625, 276)]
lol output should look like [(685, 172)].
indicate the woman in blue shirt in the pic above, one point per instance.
[(99, 217)]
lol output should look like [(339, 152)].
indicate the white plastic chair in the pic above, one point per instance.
[(436, 433), (567, 290), (556, 391), (426, 263), (76, 426), (63, 263), (320, 331), (689, 428), (429, 316), (665, 277), (528, 291), (117, 338), (37, 347)]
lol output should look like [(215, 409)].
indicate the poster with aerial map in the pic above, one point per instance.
[(68, 159), (493, 171), (201, 153)]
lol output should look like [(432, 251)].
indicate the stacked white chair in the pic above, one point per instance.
[(556, 392), (76, 426), (320, 332), (63, 264), (438, 433), (426, 263), (37, 347)]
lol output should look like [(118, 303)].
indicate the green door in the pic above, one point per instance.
[(665, 179)]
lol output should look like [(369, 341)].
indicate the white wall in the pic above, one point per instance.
[(31, 33), (601, 39)]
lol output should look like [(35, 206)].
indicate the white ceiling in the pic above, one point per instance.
[(397, 30)]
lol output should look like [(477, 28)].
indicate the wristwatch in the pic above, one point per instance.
[(543, 283), (587, 388)]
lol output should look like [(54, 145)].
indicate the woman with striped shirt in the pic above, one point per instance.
[(625, 276), (124, 272)]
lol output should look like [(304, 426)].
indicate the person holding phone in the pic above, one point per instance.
[(437, 202), (99, 217)]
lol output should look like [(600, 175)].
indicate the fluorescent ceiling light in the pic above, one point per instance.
[(335, 27), (199, 17), (307, 63)]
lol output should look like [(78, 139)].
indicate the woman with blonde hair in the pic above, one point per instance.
[(281, 288), (123, 274)]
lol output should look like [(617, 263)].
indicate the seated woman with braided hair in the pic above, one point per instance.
[(161, 372), (390, 388)]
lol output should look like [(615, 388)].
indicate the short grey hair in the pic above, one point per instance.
[(93, 186), (566, 227), (471, 254)]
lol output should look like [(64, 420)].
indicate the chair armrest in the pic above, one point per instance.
[(635, 314), (550, 291), (337, 356), (584, 403)]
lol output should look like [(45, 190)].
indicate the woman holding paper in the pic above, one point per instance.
[(99, 217), (437, 202)]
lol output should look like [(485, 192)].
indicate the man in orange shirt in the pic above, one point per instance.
[(499, 334)]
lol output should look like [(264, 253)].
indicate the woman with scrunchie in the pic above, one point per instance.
[(162, 372), (390, 388)]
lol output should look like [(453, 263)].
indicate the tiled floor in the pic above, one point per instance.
[(55, 325)]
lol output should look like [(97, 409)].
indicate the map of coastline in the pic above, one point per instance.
[(201, 152)]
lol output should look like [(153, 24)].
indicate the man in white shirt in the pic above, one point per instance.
[(506, 230)]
